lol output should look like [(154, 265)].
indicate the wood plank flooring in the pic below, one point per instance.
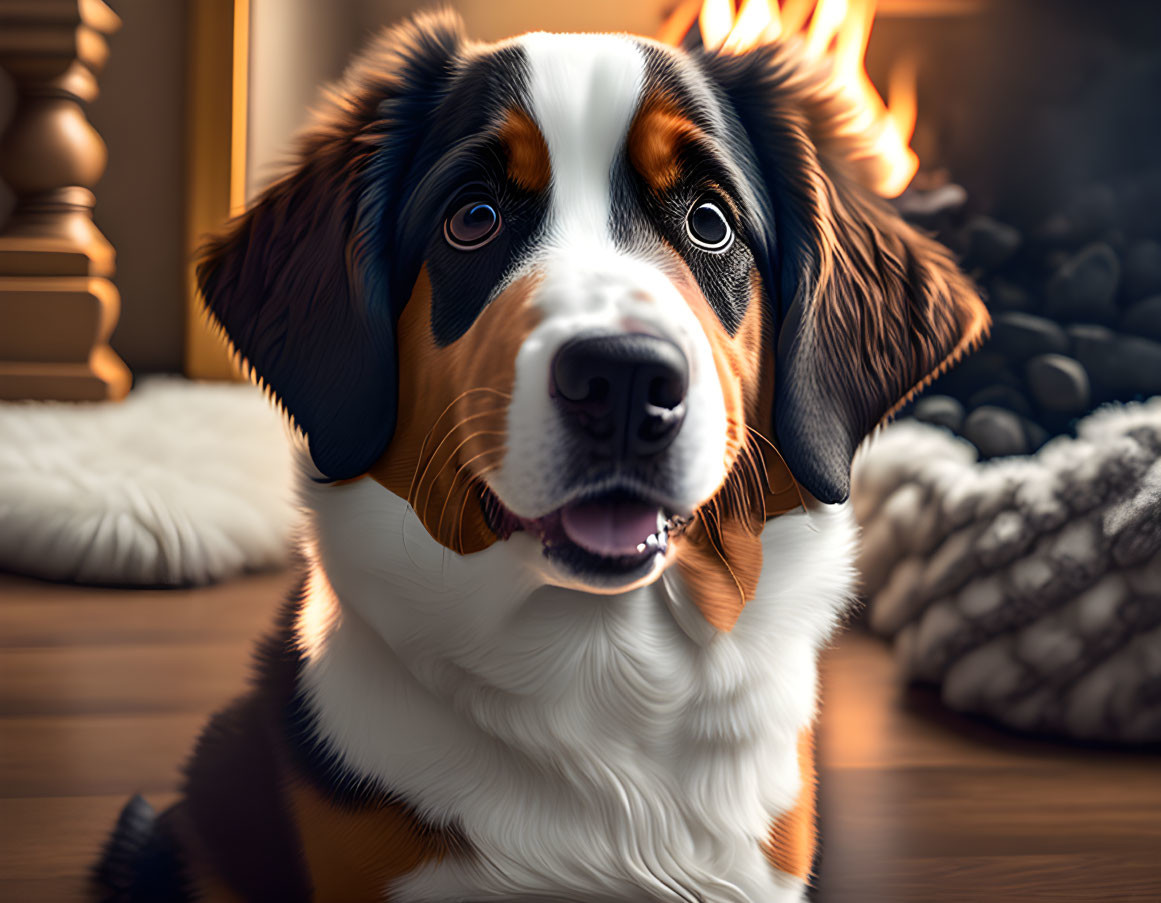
[(922, 806), (102, 693)]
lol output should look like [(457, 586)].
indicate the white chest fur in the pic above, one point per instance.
[(591, 747)]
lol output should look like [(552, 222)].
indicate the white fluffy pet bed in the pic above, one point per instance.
[(181, 483), (1028, 588)]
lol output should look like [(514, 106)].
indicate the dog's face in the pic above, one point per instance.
[(591, 289), (582, 353)]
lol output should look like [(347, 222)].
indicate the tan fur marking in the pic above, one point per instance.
[(528, 161), (657, 136), (353, 854), (794, 835), (719, 555), (453, 404), (927, 314)]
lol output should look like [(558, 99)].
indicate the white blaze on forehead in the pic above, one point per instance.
[(584, 91)]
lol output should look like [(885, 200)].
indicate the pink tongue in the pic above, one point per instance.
[(609, 528)]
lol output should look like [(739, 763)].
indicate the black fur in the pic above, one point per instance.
[(866, 309), (711, 171), (304, 283), (234, 806), (461, 150), (140, 864)]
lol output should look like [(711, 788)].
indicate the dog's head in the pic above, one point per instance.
[(625, 299)]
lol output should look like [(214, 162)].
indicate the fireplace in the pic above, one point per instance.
[(1035, 159), (1046, 114)]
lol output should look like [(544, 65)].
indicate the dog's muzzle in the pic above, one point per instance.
[(621, 396)]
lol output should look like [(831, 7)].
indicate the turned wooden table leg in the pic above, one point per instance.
[(57, 304)]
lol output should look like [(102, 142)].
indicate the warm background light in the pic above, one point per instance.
[(834, 32)]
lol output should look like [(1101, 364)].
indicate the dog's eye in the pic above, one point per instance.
[(708, 228), (472, 225)]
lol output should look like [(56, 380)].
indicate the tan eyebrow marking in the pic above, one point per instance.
[(528, 160), (659, 132)]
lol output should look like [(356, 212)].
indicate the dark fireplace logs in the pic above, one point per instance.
[(1077, 317), (1049, 121)]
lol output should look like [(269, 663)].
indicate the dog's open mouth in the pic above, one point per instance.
[(612, 534)]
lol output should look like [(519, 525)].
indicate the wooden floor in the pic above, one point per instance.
[(103, 691)]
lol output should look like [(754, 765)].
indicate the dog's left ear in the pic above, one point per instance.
[(308, 284), (867, 309)]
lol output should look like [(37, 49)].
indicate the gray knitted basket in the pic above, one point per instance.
[(1028, 588)]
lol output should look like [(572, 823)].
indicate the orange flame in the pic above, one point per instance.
[(831, 30)]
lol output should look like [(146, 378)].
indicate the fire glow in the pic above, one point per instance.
[(835, 33)]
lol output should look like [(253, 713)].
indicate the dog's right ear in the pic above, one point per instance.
[(305, 284), (867, 309)]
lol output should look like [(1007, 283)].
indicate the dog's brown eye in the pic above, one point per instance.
[(472, 226), (708, 228)]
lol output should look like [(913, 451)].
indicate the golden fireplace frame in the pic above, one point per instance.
[(216, 188)]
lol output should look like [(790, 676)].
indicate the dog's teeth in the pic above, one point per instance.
[(651, 542), (641, 547), (663, 542)]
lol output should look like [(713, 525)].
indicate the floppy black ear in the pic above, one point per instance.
[(304, 283), (868, 310)]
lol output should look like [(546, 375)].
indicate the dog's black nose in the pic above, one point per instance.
[(625, 394)]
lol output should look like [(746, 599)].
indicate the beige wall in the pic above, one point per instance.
[(491, 20), (296, 46), (141, 114)]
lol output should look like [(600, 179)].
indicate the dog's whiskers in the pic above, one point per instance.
[(467, 488), (477, 477), (711, 523), (785, 467), (441, 469), (418, 478)]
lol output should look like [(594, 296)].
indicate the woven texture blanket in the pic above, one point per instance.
[(1027, 588)]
